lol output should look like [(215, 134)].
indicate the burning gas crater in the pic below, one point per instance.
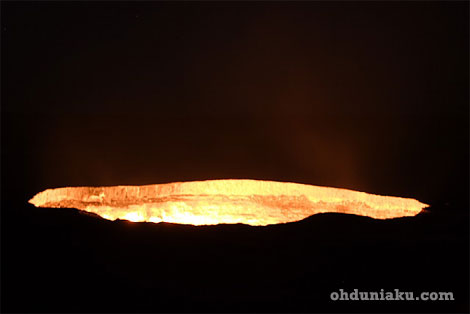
[(252, 202)]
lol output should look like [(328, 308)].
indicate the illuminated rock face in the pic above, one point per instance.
[(252, 202)]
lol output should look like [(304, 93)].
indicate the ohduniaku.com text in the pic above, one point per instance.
[(394, 295)]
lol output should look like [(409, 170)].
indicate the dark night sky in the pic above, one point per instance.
[(371, 96)]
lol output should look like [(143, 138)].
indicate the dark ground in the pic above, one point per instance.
[(369, 96), (68, 261)]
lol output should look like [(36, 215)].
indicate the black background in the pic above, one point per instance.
[(370, 96)]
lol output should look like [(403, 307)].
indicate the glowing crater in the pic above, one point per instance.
[(252, 202)]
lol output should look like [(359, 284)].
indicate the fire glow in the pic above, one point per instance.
[(252, 202)]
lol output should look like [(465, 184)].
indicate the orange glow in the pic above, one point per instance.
[(252, 202)]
